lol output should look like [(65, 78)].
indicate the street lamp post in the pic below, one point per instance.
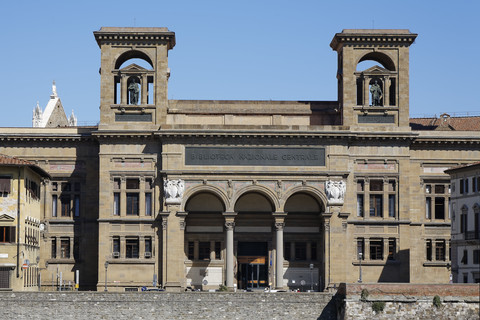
[(106, 267), (311, 277), (360, 256)]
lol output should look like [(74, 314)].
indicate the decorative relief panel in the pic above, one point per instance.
[(335, 191), (173, 191)]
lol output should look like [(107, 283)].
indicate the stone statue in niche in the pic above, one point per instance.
[(134, 92), (173, 191), (377, 94), (335, 191)]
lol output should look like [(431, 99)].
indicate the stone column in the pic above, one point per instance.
[(164, 216), (123, 90), (279, 224), (326, 241), (386, 91), (229, 226), (366, 92), (144, 83)]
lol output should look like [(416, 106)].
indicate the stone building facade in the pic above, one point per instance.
[(465, 208), (248, 194)]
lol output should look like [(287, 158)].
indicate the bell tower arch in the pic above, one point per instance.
[(378, 95), (133, 96)]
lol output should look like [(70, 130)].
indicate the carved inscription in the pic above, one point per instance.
[(254, 156)]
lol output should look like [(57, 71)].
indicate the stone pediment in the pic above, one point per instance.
[(6, 218), (376, 70), (133, 68)]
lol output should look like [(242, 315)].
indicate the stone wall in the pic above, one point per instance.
[(163, 305), (407, 301)]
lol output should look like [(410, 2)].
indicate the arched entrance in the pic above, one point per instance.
[(253, 241), (303, 243), (204, 241)]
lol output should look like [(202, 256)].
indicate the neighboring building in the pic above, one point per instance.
[(248, 193), (54, 114), (21, 205), (465, 208)]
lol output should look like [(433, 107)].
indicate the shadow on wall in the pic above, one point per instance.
[(397, 269)]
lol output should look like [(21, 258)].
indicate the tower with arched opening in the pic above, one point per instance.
[(378, 95), (133, 96)]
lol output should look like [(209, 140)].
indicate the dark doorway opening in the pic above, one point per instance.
[(252, 265)]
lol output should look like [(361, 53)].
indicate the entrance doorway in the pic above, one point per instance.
[(252, 265)]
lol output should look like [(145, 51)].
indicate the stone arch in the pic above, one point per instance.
[(317, 194), (476, 207), (218, 193), (132, 54), (381, 58), (266, 192)]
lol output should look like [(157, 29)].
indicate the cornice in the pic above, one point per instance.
[(373, 38), (126, 36)]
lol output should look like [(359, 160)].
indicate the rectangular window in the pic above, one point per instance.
[(76, 205), (476, 256), (148, 247), (218, 250), (76, 248), (54, 248), (466, 185), (392, 248), (474, 184), (65, 200), (463, 223), (465, 278), (116, 247), (440, 250), (191, 250), (376, 205), (313, 251), (54, 205), (376, 249), (462, 186), (360, 205), (5, 183), (287, 250), (429, 250), (133, 184), (65, 248), (5, 277), (132, 204), (148, 204), (132, 248), (116, 183), (465, 257), (148, 184), (391, 205), (428, 208), (300, 251), (360, 249), (439, 208), (376, 185), (116, 204), (7, 234), (204, 250)]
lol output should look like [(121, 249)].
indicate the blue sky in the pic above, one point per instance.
[(238, 50)]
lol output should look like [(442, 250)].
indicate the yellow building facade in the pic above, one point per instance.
[(21, 205), (247, 194)]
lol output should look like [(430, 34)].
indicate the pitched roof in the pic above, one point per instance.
[(446, 123), (16, 162)]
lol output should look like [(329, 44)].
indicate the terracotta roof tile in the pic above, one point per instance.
[(446, 123), (12, 161), (4, 159)]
